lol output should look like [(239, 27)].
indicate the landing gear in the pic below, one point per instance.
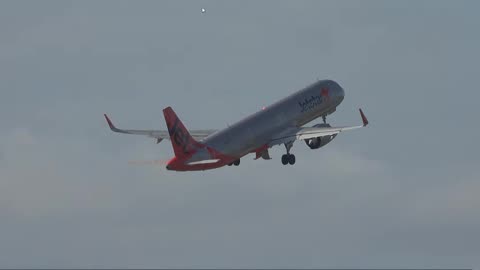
[(324, 118), (236, 163), (288, 158), (291, 159), (284, 159)]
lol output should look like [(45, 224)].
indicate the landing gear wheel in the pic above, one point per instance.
[(288, 158), (285, 159), (324, 118), (236, 162), (230, 164), (291, 159)]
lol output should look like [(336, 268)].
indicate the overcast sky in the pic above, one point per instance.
[(404, 192)]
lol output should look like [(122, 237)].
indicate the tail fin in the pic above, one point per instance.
[(182, 142)]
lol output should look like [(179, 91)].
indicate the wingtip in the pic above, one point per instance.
[(110, 124), (167, 109), (364, 118)]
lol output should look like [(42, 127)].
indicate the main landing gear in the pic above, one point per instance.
[(236, 163), (324, 118), (288, 158)]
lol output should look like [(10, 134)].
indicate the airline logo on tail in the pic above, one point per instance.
[(182, 142), (178, 136)]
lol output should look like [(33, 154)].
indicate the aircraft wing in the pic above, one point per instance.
[(304, 133), (157, 134)]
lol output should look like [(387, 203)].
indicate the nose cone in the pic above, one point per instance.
[(340, 93)]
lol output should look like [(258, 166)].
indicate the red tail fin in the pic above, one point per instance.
[(182, 142)]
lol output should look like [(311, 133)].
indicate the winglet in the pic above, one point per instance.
[(110, 124), (364, 118)]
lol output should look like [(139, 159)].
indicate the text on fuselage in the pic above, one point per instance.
[(309, 103)]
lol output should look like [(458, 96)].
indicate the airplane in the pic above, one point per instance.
[(281, 123)]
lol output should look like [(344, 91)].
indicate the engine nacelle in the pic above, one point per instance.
[(318, 142)]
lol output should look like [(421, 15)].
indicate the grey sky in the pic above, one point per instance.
[(402, 193)]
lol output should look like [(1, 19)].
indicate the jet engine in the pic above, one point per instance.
[(318, 142)]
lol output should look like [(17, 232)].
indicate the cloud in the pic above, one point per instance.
[(399, 193), (322, 209)]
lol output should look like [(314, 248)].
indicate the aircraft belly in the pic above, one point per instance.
[(243, 139)]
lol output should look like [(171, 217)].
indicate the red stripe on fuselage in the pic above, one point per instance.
[(180, 163)]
